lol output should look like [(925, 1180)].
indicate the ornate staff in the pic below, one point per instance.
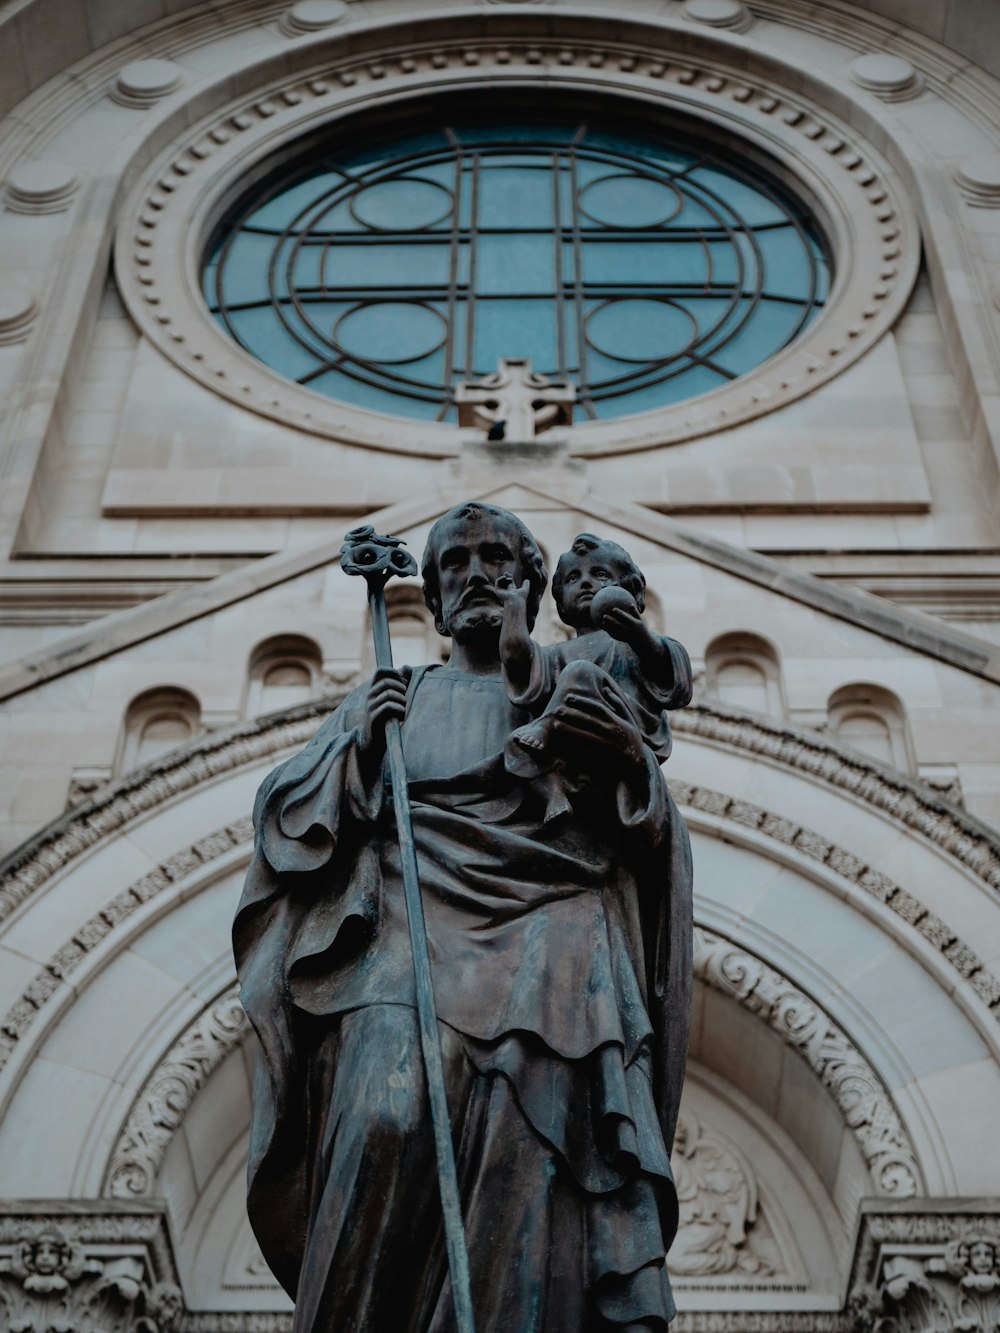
[(377, 559)]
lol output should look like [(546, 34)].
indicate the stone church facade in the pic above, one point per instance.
[(818, 524)]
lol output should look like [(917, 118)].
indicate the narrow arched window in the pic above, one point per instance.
[(156, 722), (283, 671), (742, 669), (872, 719)]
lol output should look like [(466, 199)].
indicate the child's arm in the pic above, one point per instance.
[(516, 646), (664, 661)]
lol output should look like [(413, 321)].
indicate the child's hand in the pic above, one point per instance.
[(614, 610), (624, 624), (512, 596)]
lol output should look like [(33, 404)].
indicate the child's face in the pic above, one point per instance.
[(585, 576)]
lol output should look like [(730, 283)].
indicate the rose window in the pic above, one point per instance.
[(645, 268)]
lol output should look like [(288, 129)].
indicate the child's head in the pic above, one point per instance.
[(590, 564)]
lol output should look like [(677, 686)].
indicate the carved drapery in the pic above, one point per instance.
[(160, 1107)]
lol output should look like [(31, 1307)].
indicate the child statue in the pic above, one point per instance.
[(599, 592)]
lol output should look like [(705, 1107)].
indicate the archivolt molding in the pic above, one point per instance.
[(800, 1022), (727, 967), (901, 799), (57, 847), (160, 1107), (170, 213)]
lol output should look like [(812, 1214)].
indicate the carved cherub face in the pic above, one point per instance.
[(48, 1254), (982, 1256)]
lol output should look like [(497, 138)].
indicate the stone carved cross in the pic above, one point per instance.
[(514, 403)]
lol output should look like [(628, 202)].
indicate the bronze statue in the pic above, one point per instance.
[(561, 959)]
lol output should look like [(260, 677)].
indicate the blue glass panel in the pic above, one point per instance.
[(386, 265), (403, 204), (640, 330), (787, 264), (649, 262), (393, 332), (620, 200), (403, 147), (769, 328), (441, 173), (515, 328), (655, 220), (738, 197), (331, 219), (301, 264), (631, 146), (517, 263), (282, 210), (245, 269), (694, 213), (534, 132), (262, 333), (515, 197), (715, 320), (690, 384), (335, 384)]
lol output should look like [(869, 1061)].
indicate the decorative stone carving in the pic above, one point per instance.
[(933, 1272), (890, 78), (514, 403), (855, 1086), (51, 1283), (312, 16), (979, 180), (721, 1230), (167, 1094), (731, 14), (144, 82), (39, 187), (17, 312)]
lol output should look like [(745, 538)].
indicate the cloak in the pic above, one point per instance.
[(563, 958)]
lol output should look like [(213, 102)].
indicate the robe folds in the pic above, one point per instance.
[(561, 962)]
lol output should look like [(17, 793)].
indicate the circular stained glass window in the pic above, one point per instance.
[(646, 270)]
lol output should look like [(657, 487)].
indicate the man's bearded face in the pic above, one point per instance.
[(474, 552)]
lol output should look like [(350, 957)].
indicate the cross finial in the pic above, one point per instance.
[(514, 403)]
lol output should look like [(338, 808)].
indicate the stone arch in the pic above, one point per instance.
[(46, 868), (721, 964)]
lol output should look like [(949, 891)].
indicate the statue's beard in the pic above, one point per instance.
[(475, 623)]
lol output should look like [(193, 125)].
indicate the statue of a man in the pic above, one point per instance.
[(561, 961)]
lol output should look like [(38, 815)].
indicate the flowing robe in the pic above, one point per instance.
[(561, 965)]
